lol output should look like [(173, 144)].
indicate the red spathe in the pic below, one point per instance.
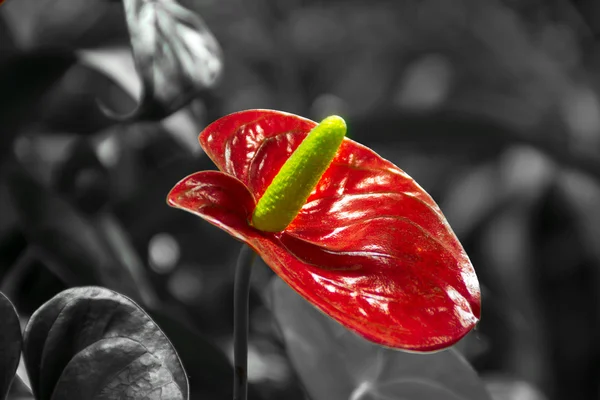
[(370, 247)]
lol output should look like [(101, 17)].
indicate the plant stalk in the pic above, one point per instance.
[(241, 295)]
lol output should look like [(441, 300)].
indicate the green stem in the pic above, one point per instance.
[(241, 294)]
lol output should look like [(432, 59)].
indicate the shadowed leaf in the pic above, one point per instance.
[(323, 352), (71, 240), (19, 390), (23, 86), (175, 54), (10, 344), (93, 343)]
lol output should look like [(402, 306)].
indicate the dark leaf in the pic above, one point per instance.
[(12, 242), (334, 363), (19, 390), (176, 56), (24, 79), (10, 344), (93, 343), (31, 282), (77, 94), (78, 244)]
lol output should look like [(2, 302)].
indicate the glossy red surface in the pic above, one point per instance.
[(370, 248)]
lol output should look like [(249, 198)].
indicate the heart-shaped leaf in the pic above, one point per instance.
[(93, 343), (334, 363), (175, 53), (10, 344)]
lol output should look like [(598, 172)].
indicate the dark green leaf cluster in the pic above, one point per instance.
[(91, 343)]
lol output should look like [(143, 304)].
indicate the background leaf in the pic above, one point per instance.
[(334, 363), (64, 23), (10, 344), (81, 247), (175, 54), (19, 390), (21, 77), (93, 343)]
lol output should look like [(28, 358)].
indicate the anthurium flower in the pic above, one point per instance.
[(368, 246)]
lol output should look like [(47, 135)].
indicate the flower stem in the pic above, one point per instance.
[(241, 294)]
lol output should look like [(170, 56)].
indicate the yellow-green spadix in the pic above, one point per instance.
[(298, 176)]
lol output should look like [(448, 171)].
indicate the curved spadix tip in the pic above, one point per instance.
[(299, 175)]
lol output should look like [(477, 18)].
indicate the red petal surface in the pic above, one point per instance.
[(218, 198), (370, 248)]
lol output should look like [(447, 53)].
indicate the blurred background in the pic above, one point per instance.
[(492, 106)]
